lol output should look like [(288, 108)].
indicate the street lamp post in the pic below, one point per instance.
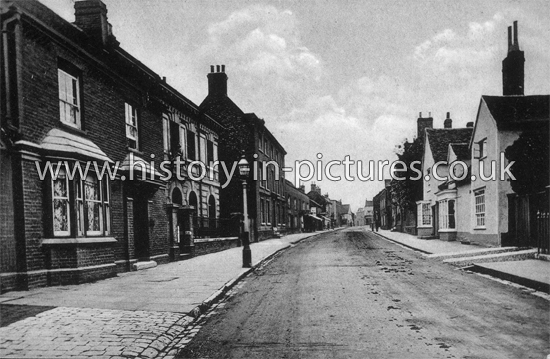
[(244, 171)]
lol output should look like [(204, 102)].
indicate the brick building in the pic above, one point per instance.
[(247, 134), (71, 95), (297, 207)]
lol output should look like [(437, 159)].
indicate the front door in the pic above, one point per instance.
[(141, 229)]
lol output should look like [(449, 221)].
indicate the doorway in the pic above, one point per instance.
[(141, 228)]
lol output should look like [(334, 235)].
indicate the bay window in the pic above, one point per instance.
[(82, 201), (447, 214)]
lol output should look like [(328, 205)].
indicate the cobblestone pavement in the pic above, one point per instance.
[(84, 332), (102, 333), (67, 330)]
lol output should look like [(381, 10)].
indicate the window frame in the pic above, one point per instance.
[(73, 75), (77, 206), (424, 212), (480, 208), (131, 115)]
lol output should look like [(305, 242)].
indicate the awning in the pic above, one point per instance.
[(61, 142), (315, 217), (133, 162)]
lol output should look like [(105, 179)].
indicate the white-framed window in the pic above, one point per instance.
[(447, 214), (90, 205), (268, 211), (262, 212), (69, 98), (479, 208), (60, 205), (131, 115), (424, 214)]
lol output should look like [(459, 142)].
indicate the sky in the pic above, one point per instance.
[(337, 78)]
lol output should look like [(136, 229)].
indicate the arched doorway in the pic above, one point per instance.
[(193, 201), (212, 212), (177, 198)]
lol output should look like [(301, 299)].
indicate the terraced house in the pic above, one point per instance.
[(71, 95)]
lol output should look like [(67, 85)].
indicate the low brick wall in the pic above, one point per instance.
[(212, 245)]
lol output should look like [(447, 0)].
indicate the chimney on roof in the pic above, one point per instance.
[(217, 81), (448, 123), (91, 16), (513, 76), (315, 188), (303, 188), (422, 123), (470, 125)]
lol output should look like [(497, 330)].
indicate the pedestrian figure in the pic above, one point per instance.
[(377, 220)]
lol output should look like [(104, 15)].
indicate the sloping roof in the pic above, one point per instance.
[(461, 151), (61, 142), (440, 138), (518, 112), (222, 106)]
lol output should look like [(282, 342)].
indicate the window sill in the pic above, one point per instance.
[(447, 230), (80, 240), (74, 130), (425, 226), (480, 228), (136, 151)]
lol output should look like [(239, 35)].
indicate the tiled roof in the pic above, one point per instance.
[(440, 138), (461, 151), (518, 112)]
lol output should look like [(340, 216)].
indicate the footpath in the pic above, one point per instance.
[(524, 267), (145, 314)]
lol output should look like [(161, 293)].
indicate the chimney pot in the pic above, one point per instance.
[(509, 38), (470, 124), (448, 115), (164, 78), (516, 45), (217, 82), (223, 68)]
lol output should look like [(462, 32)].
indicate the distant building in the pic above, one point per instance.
[(247, 134), (297, 207), (368, 211)]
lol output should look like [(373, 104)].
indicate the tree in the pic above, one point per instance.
[(530, 152), (406, 192)]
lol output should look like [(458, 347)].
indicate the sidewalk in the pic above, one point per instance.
[(530, 273), (135, 314), (427, 246)]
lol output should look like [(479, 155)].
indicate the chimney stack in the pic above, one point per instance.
[(470, 125), (513, 65), (422, 123), (217, 81), (448, 123), (91, 16)]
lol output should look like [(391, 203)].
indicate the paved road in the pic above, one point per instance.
[(351, 294)]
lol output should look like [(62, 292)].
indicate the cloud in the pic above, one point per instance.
[(451, 54), (261, 47)]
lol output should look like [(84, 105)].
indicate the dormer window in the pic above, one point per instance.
[(131, 126)]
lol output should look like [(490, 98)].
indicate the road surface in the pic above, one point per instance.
[(351, 294)]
